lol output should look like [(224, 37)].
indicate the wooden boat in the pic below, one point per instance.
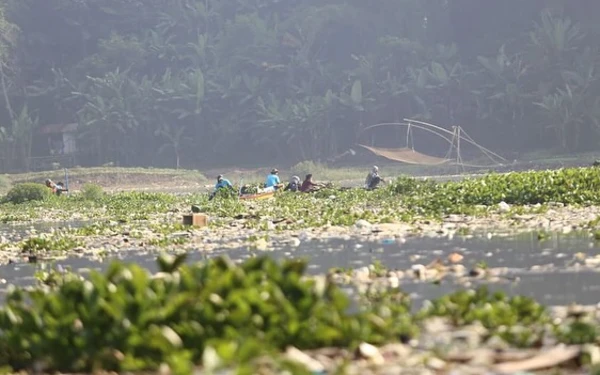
[(257, 196)]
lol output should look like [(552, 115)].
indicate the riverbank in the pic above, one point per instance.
[(115, 179)]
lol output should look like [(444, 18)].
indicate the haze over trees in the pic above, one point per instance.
[(201, 82)]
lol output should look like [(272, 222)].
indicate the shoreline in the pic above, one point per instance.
[(117, 179)]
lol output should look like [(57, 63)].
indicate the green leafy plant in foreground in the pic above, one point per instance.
[(51, 275), (219, 313), (578, 332), (83, 325)]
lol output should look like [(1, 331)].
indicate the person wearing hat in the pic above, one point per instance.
[(273, 182), (222, 183), (373, 179)]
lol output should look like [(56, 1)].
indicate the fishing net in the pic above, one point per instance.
[(407, 155), (456, 138)]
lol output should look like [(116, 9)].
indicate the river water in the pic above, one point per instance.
[(543, 270)]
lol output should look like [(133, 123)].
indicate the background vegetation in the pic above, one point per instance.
[(193, 82)]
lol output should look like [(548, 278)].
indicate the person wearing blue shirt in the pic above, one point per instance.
[(273, 181), (222, 183)]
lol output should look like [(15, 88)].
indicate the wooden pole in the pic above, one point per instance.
[(467, 138)]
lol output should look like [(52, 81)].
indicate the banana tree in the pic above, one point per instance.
[(298, 123), (175, 140), (504, 94), (556, 37), (562, 117), (22, 132), (233, 108), (110, 114), (17, 141), (178, 103), (305, 28), (186, 18), (439, 85), (569, 110), (357, 104)]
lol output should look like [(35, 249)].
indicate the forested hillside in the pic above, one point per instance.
[(198, 82)]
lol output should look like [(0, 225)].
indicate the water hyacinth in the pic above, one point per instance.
[(403, 200), (220, 314)]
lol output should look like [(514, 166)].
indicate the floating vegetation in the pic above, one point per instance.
[(55, 243), (218, 314), (405, 200)]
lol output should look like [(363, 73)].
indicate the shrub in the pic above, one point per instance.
[(25, 192), (92, 192)]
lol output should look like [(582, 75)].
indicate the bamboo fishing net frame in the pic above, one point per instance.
[(410, 156)]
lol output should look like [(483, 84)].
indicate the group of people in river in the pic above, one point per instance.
[(273, 183)]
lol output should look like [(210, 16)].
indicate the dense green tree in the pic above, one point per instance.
[(198, 82)]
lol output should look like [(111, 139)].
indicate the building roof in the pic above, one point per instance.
[(58, 128)]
